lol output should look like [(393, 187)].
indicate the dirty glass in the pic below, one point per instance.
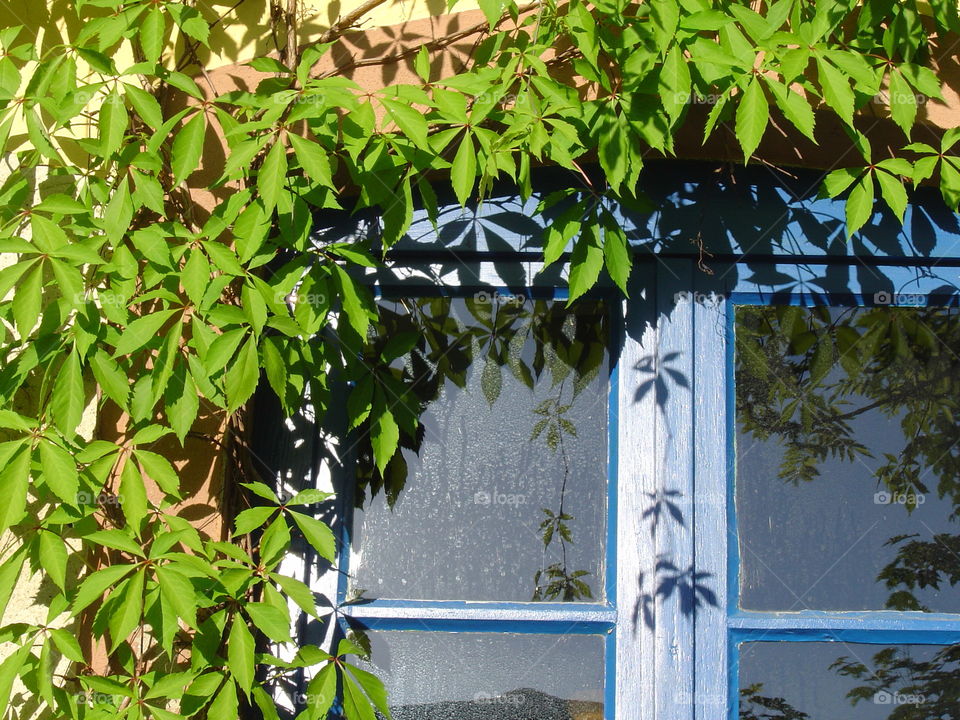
[(490, 676), (847, 464), (503, 495)]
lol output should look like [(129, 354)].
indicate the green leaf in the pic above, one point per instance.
[(616, 254), (225, 704), (373, 687), (53, 558), (27, 298), (59, 471), (355, 704), (356, 299), (10, 575), (240, 648), (153, 34), (272, 175), (321, 692), (159, 470), (9, 670), (664, 16), (128, 612), (241, 379), (903, 103), (133, 495), (39, 137), (385, 438), (674, 84), (753, 113), (859, 207), (296, 590), (139, 332), (195, 276), (275, 541), (95, 585), (491, 380), (187, 148), (317, 534), (893, 193), (463, 172), (252, 518), (411, 122), (113, 123), (61, 204), (116, 539), (269, 65), (68, 398), (836, 90), (313, 159), (794, 107), (145, 104), (177, 590), (112, 380), (585, 262), (839, 180), (271, 621), (421, 63), (67, 644)]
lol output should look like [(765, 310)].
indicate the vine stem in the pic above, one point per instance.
[(351, 19)]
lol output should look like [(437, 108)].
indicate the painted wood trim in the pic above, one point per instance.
[(879, 621), (634, 686), (675, 454), (490, 612), (711, 472)]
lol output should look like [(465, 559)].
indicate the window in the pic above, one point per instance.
[(480, 569), (756, 469), (835, 468)]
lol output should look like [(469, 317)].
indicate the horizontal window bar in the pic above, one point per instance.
[(482, 612), (819, 622), (545, 626)]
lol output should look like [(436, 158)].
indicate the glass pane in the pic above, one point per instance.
[(853, 681), (847, 458), (503, 496), (482, 676)]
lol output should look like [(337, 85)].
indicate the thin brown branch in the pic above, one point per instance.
[(290, 51), (344, 24), (438, 44)]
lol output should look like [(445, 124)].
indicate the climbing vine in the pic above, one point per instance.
[(157, 235)]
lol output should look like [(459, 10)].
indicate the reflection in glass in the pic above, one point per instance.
[(848, 470), (502, 493), (853, 681), (490, 676)]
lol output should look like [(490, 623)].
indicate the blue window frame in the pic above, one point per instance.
[(727, 629), (500, 619), (672, 613)]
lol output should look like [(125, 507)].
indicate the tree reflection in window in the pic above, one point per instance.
[(807, 379), (425, 350)]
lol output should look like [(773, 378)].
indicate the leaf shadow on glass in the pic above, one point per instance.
[(430, 351)]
